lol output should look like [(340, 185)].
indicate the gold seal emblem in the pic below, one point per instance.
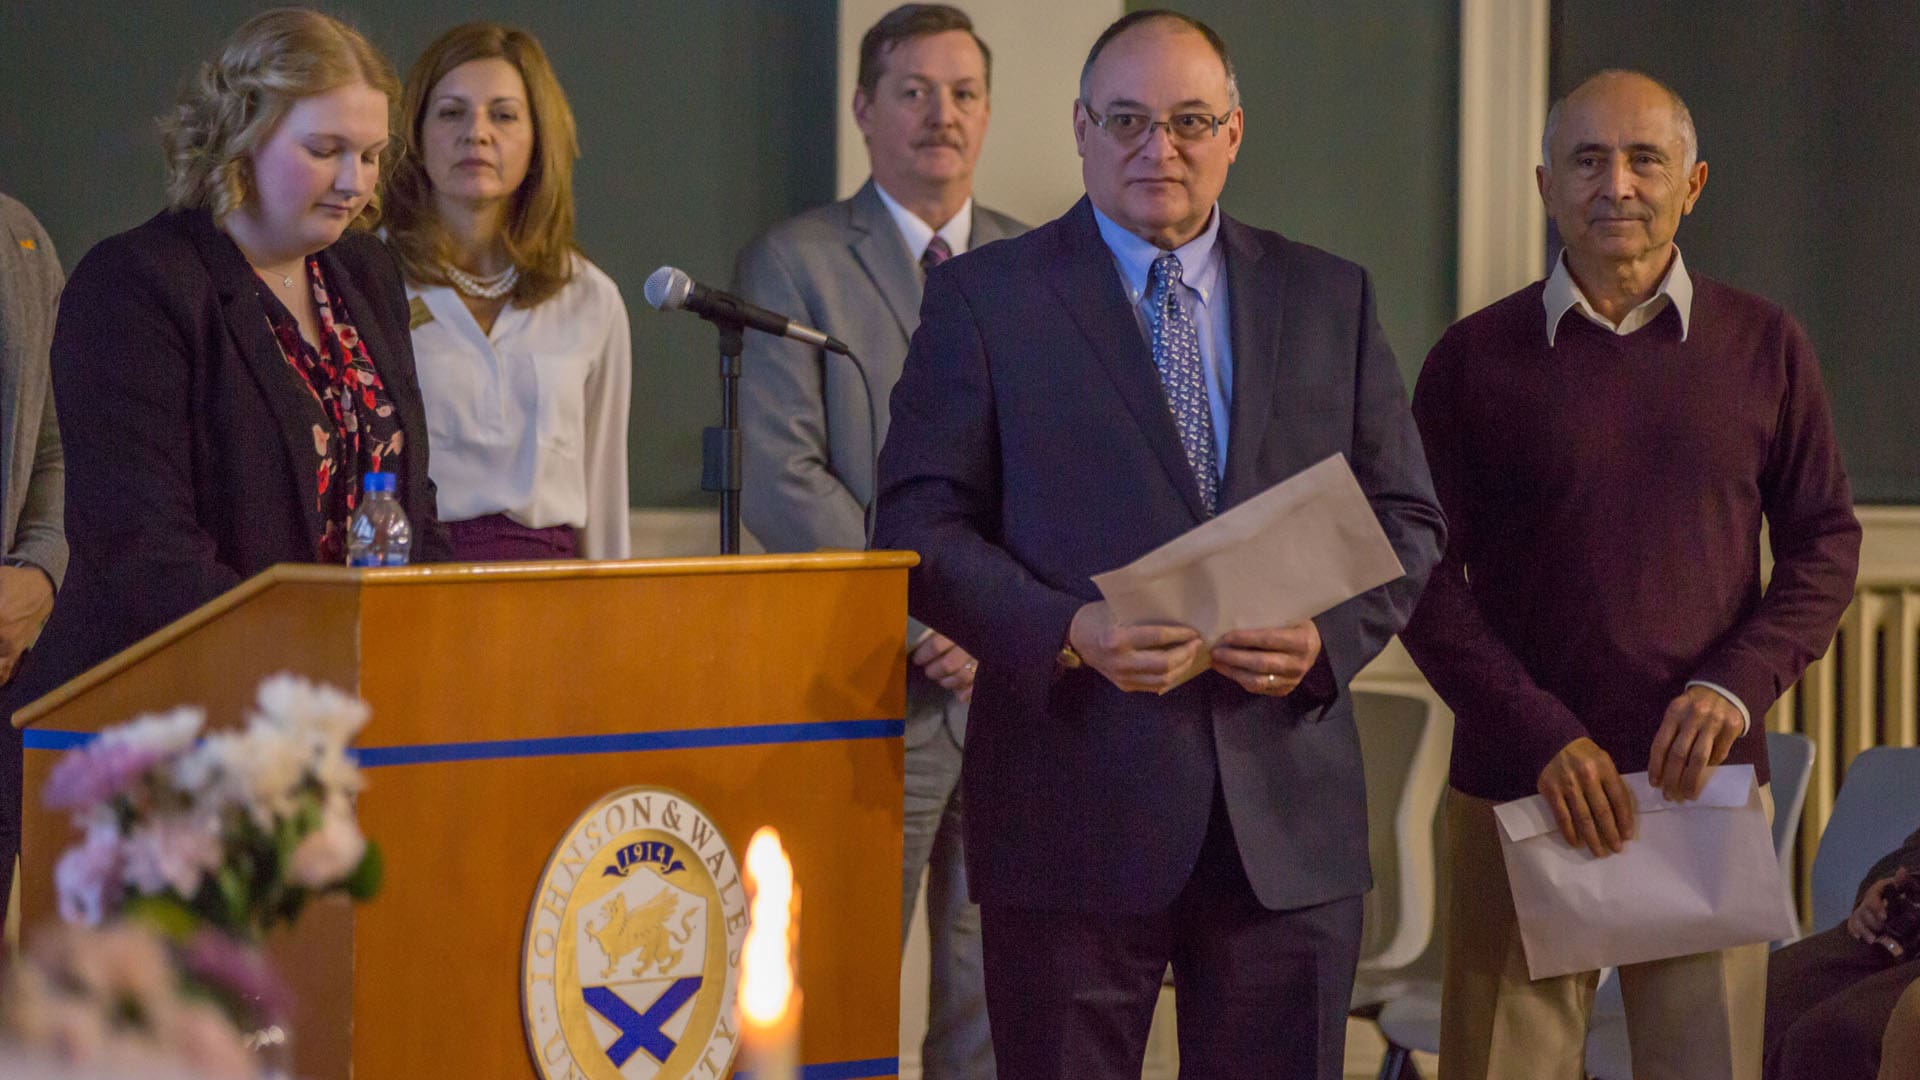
[(632, 949)]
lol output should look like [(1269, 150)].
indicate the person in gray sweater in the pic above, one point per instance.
[(32, 536)]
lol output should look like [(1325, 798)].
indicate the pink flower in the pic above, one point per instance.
[(110, 764), (93, 774), (330, 852), (39, 1017), (130, 961), (87, 878), (241, 972), (172, 852), (207, 1042), (74, 1033), (110, 1001), (116, 968)]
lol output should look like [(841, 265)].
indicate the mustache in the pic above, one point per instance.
[(1610, 210), (939, 140)]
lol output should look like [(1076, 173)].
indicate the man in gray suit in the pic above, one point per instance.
[(32, 535), (854, 269)]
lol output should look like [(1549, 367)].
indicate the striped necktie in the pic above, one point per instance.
[(937, 252)]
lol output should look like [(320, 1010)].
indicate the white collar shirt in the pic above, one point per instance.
[(1563, 294), (1203, 293), (957, 232), (530, 420)]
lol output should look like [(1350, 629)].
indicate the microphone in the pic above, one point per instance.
[(670, 289)]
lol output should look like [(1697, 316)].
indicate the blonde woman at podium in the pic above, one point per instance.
[(226, 373), (523, 344)]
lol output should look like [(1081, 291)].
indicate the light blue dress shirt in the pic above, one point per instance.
[(1202, 292)]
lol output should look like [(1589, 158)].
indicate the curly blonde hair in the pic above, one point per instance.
[(236, 100), (539, 232)]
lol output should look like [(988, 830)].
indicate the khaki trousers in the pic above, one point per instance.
[(1900, 1053), (1689, 1018)]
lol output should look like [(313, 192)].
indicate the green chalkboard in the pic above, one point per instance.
[(700, 124), (1352, 143), (1808, 116)]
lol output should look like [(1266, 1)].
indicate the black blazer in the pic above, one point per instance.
[(1031, 448), (189, 439)]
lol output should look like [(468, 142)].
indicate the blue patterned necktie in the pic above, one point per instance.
[(1176, 352)]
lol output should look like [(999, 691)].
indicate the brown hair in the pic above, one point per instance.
[(236, 100), (904, 23), (539, 233)]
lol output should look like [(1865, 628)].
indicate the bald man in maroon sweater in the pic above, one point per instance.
[(1605, 445)]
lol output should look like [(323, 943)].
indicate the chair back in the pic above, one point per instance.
[(1878, 808), (1405, 737), (1790, 760)]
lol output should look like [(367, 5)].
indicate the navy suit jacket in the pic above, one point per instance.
[(1032, 447), (189, 440)]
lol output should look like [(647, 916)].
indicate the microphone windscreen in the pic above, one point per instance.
[(667, 288)]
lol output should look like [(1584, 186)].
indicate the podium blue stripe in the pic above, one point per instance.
[(374, 757), (36, 739), (842, 1070)]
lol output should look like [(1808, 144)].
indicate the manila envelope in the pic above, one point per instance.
[(1305, 545), (1698, 876)]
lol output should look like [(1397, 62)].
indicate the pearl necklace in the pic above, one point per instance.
[(492, 287)]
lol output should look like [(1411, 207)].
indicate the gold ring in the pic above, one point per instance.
[(1271, 681)]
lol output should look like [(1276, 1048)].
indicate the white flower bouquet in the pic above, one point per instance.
[(118, 1000), (237, 830)]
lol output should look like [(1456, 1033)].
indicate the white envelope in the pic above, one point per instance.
[(1293, 551), (1698, 876)]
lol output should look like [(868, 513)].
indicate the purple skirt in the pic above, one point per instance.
[(499, 538)]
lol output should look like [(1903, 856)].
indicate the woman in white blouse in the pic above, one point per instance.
[(521, 343)]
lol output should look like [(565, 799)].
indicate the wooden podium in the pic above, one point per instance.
[(507, 699)]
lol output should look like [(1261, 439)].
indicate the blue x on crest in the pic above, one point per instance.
[(640, 1031)]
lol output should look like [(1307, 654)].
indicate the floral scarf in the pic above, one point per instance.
[(361, 434)]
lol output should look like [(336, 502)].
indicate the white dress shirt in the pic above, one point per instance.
[(1563, 294), (530, 421), (1203, 293), (957, 232)]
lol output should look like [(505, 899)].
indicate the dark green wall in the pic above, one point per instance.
[(1352, 136), (700, 124), (1809, 121)]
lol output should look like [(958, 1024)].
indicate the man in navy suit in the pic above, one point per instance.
[(1074, 398)]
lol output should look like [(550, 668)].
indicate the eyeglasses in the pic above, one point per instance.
[(1132, 129)]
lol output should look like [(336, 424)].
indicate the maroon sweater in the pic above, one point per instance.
[(1604, 501)]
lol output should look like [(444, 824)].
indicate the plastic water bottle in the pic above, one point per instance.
[(379, 535)]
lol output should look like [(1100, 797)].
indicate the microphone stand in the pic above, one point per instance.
[(720, 448), (721, 452)]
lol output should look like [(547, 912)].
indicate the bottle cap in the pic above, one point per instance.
[(377, 481)]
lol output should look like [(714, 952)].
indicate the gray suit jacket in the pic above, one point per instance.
[(32, 475), (810, 435)]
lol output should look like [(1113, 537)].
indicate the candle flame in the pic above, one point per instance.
[(766, 966)]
